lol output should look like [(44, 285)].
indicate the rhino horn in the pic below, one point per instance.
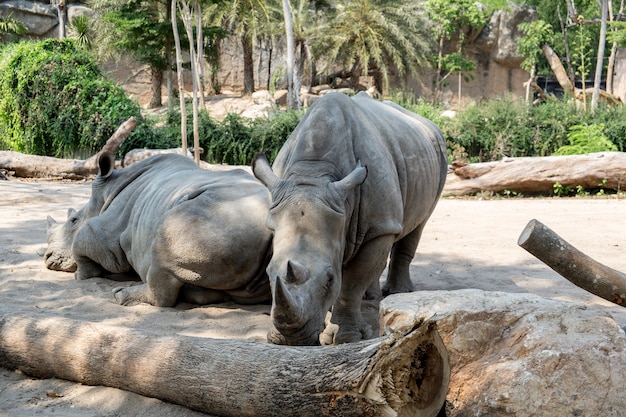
[(296, 273), (351, 181), (286, 312), (263, 172)]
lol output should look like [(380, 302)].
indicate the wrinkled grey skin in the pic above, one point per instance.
[(356, 181), (177, 226)]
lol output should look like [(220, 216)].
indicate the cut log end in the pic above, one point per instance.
[(411, 373)]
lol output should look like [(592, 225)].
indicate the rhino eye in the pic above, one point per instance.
[(330, 279)]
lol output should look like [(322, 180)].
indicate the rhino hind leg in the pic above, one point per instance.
[(402, 253), (357, 277)]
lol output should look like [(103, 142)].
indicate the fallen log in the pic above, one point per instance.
[(394, 375), (539, 174), (572, 264), (35, 166)]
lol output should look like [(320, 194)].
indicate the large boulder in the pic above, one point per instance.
[(41, 19), (520, 354), (499, 37)]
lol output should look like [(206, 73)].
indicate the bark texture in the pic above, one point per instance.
[(35, 166), (396, 375), (539, 174), (572, 264)]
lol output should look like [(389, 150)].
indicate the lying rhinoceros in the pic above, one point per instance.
[(174, 224), (356, 181)]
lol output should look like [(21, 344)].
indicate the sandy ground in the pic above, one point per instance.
[(469, 243)]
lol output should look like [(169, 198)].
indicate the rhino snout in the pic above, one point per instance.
[(59, 261)]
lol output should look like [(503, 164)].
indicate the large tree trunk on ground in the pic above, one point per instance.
[(539, 174), (572, 264), (35, 166), (397, 375)]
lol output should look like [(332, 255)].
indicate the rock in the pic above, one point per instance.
[(520, 354), (262, 97), (501, 33), (74, 10), (40, 18), (280, 97)]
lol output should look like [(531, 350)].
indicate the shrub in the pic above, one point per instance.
[(55, 101), (586, 138), (506, 127), (234, 140)]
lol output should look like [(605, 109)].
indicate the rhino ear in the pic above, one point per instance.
[(351, 181), (51, 221), (263, 172), (106, 164)]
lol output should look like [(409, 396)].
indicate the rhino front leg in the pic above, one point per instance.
[(366, 266), (161, 289), (402, 253), (87, 268)]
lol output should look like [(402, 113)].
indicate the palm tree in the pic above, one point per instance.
[(244, 18), (370, 37)]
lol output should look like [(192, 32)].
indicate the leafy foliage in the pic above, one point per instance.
[(506, 127), (586, 138), (10, 28), (537, 33), (233, 140), (55, 101)]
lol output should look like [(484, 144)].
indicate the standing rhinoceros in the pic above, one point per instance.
[(356, 181), (175, 225)]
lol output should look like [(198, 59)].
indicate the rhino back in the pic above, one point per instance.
[(142, 196), (405, 158)]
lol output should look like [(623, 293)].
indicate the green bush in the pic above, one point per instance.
[(586, 138), (507, 127), (55, 101), (234, 140)]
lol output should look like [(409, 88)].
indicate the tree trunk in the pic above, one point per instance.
[(396, 375), (61, 18), (611, 64), (200, 54), (156, 80), (572, 264), (181, 82), (35, 166), (595, 97), (539, 174), (558, 70), (248, 63), (291, 94), (187, 17)]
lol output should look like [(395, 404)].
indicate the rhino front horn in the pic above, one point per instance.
[(286, 313)]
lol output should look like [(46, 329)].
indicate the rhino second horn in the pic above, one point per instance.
[(296, 273), (286, 312)]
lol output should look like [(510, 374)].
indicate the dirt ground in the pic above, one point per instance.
[(469, 243)]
